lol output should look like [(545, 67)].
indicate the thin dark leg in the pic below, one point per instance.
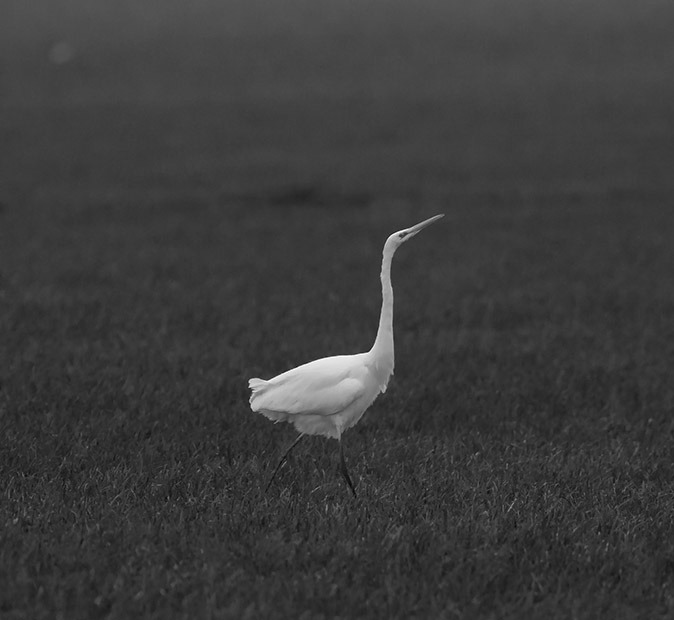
[(345, 472), (283, 459)]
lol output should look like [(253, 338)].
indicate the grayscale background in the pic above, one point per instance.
[(195, 193)]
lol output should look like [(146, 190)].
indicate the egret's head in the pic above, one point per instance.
[(398, 238)]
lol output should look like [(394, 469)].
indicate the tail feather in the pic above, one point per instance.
[(256, 386)]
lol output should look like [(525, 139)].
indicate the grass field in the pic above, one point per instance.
[(182, 209)]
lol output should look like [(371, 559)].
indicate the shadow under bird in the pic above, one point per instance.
[(329, 395)]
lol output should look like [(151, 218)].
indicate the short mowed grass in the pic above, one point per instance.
[(155, 254)]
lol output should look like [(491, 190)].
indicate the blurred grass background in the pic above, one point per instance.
[(460, 95)]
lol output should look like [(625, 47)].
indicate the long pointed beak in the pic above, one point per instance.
[(421, 225)]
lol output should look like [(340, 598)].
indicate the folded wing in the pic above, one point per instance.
[(323, 387)]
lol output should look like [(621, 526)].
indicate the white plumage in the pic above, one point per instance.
[(323, 397), (329, 395)]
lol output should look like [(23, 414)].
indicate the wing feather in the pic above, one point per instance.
[(323, 387)]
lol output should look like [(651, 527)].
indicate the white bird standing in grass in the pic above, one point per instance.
[(329, 395)]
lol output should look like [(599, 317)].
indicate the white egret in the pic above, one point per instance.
[(329, 395)]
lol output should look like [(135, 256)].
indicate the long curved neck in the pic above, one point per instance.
[(383, 344)]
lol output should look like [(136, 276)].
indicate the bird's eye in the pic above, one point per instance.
[(402, 235)]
